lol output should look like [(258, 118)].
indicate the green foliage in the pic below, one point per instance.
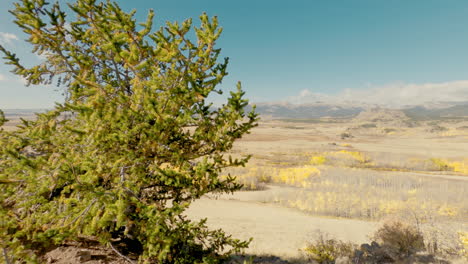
[(3, 120), (134, 143)]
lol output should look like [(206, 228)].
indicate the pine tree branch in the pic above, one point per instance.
[(82, 213), (121, 255), (7, 259)]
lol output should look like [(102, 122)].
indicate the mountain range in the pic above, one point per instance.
[(324, 110), (327, 110)]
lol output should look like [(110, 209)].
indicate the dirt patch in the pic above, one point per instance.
[(83, 253), (275, 230)]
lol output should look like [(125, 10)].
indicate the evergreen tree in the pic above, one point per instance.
[(132, 145)]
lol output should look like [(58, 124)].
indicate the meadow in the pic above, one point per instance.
[(415, 174)]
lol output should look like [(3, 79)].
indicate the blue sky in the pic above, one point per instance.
[(393, 52)]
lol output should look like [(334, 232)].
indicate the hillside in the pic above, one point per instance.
[(278, 110), (324, 110), (424, 113)]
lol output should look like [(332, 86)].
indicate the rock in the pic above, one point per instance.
[(343, 260), (358, 254), (373, 253), (366, 248), (346, 135), (83, 255), (375, 245)]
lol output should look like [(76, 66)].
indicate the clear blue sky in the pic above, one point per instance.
[(281, 49)]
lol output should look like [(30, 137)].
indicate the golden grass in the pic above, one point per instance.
[(357, 159), (359, 193), (342, 158), (460, 166), (463, 236)]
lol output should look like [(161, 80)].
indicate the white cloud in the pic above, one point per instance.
[(3, 77), (393, 95), (307, 96), (7, 38), (305, 92), (44, 56), (67, 26), (22, 80)]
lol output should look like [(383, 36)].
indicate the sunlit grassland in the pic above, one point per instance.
[(385, 161), (463, 236), (357, 193), (360, 193), (349, 183), (346, 184)]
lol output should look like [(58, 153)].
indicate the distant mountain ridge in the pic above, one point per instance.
[(324, 110), (327, 110), (421, 112), (307, 111)]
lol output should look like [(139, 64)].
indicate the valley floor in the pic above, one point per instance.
[(275, 230)]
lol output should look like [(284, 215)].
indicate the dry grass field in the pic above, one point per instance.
[(343, 178)]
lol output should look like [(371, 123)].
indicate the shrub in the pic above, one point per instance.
[(251, 179), (441, 164), (463, 236), (345, 135), (327, 250), (368, 125), (389, 130), (318, 160), (401, 239), (446, 165), (437, 128), (134, 143)]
